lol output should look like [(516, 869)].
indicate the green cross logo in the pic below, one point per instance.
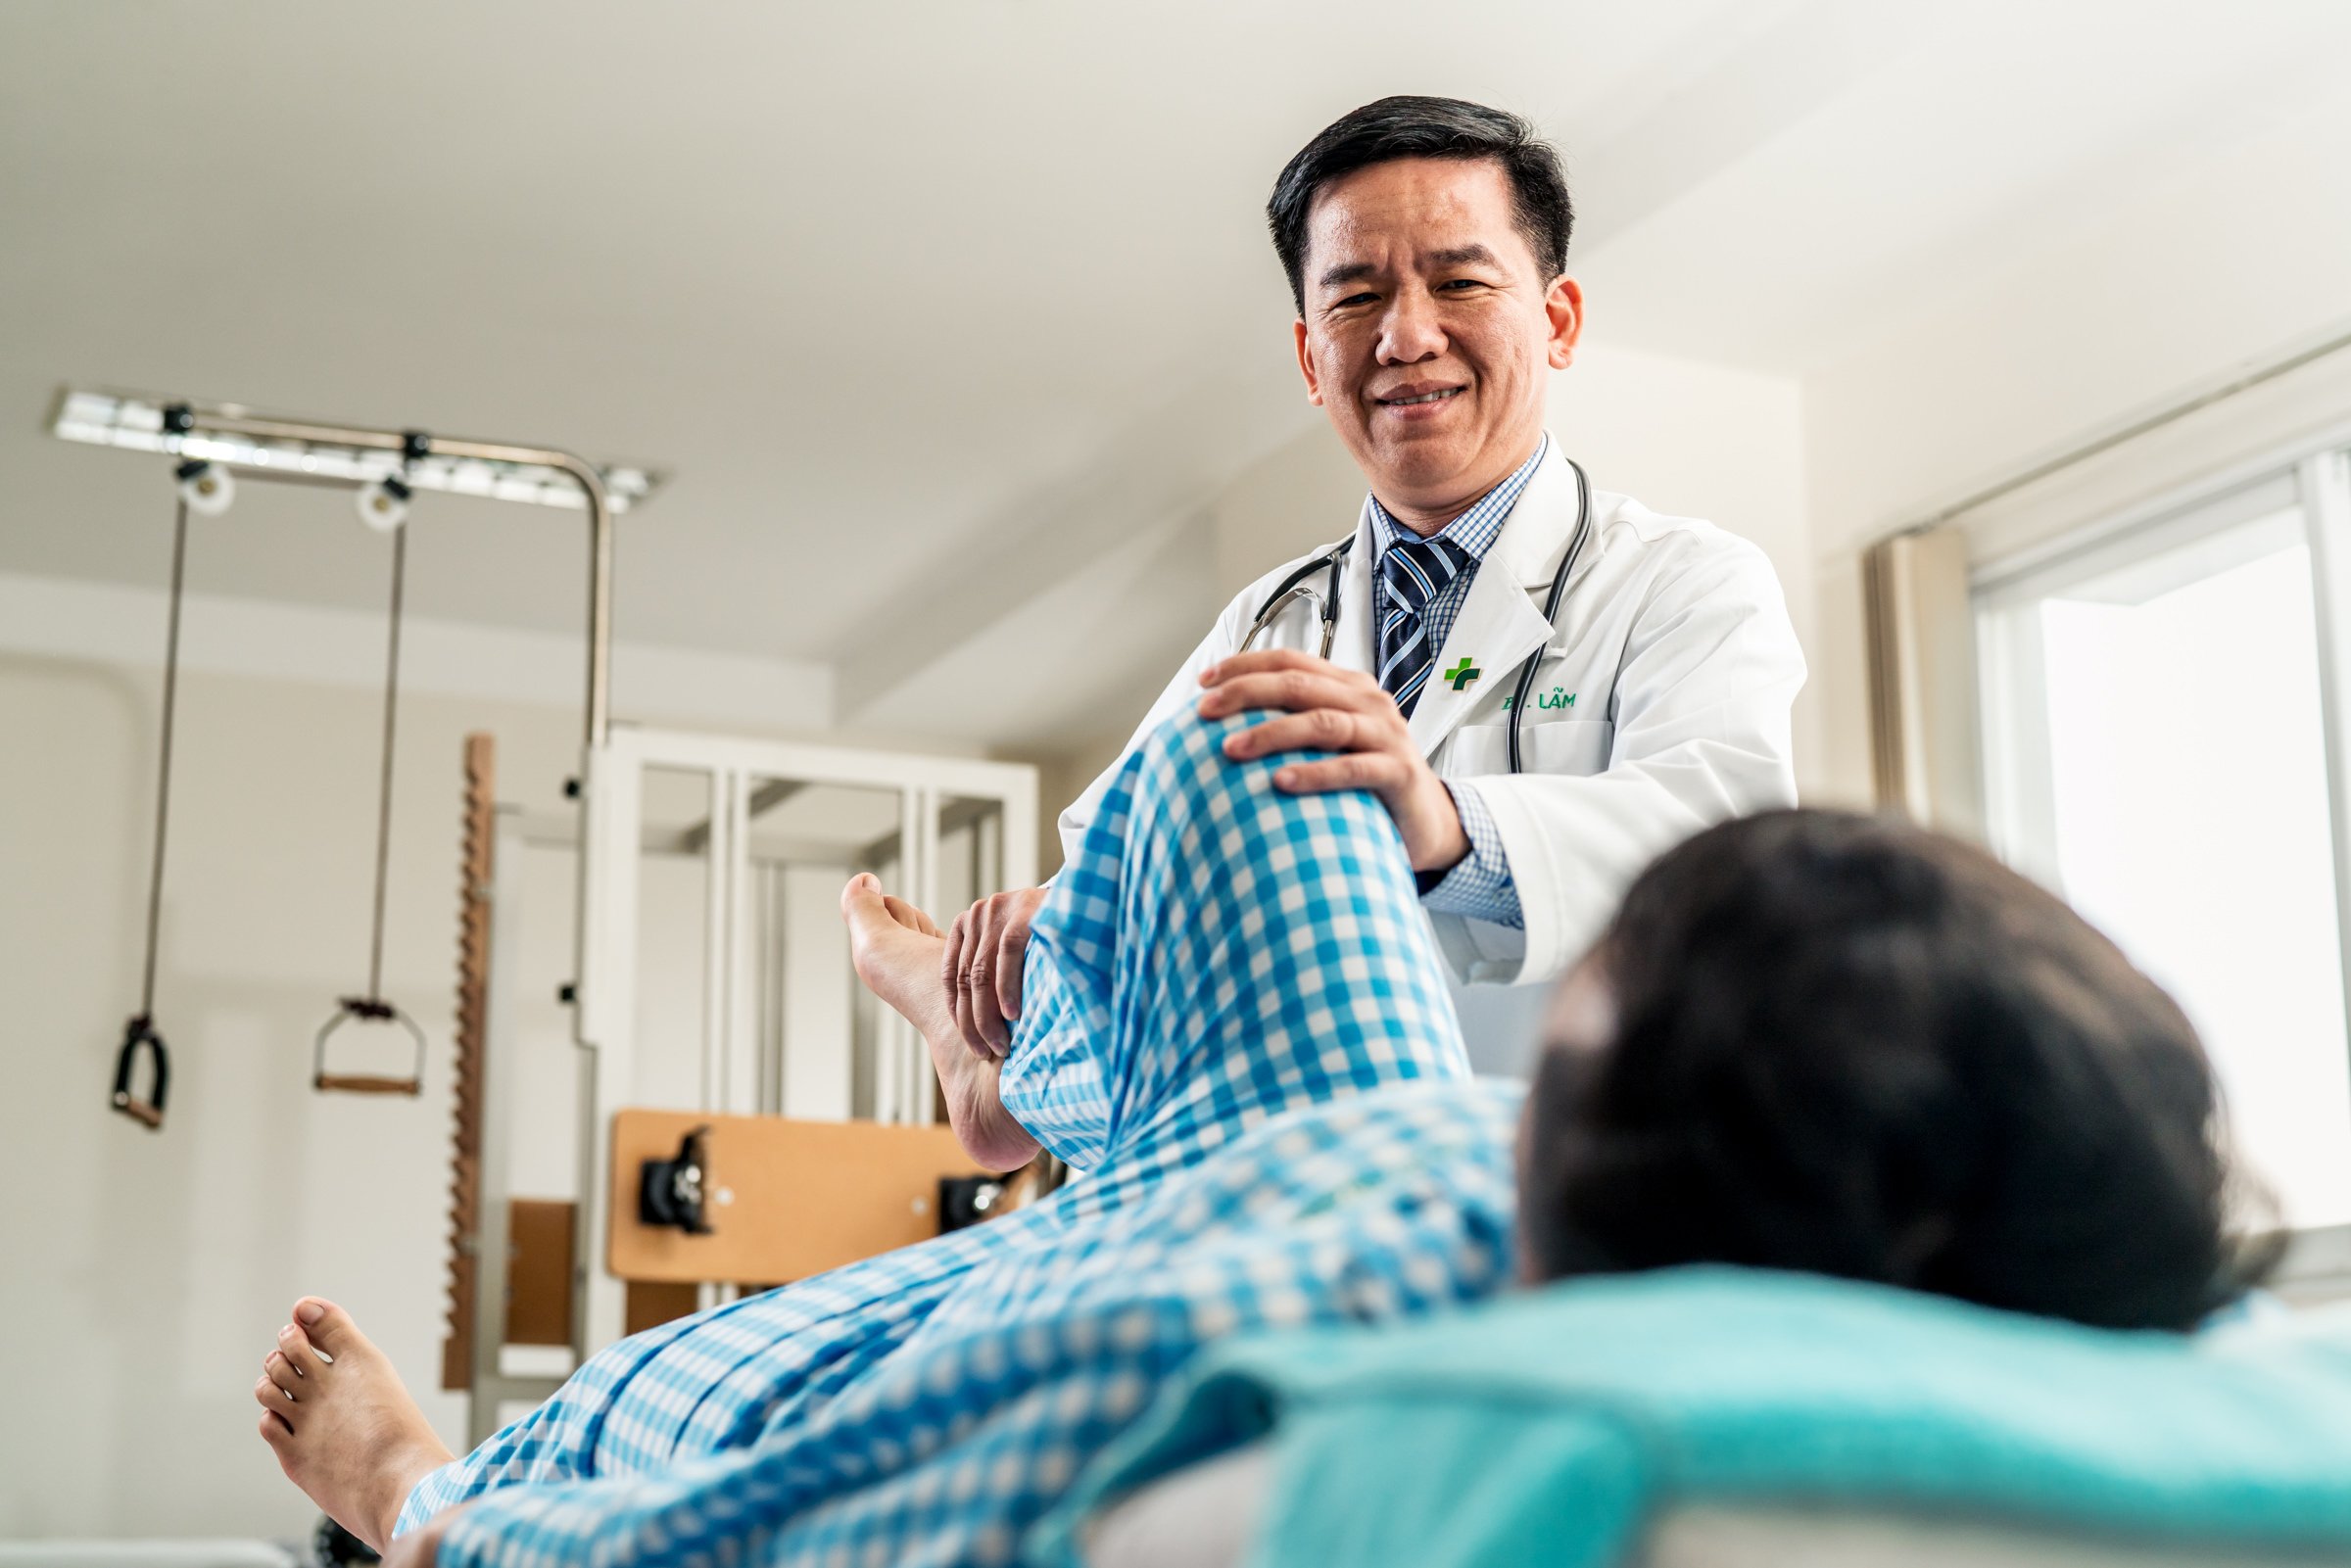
[(1462, 674)]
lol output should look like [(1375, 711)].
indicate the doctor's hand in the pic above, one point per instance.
[(1327, 708), (981, 968)]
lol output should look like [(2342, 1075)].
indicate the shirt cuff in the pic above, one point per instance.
[(1480, 887)]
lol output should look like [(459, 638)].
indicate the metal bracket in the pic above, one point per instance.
[(669, 1192)]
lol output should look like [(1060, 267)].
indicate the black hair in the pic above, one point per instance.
[(1424, 128), (1845, 1045)]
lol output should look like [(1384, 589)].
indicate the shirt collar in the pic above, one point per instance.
[(1476, 529)]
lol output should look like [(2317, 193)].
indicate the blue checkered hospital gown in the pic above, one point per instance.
[(1234, 1026)]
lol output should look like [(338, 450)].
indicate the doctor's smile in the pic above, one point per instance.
[(1410, 400)]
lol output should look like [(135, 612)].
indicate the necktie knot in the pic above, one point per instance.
[(1417, 570)]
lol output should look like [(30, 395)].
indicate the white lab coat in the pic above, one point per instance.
[(1674, 643)]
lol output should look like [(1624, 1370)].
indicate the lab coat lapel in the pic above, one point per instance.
[(1351, 649)]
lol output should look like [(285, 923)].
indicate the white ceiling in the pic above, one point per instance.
[(946, 316)]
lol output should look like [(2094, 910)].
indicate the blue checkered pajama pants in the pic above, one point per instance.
[(1234, 1025)]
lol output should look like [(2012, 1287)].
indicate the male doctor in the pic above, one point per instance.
[(1425, 241)]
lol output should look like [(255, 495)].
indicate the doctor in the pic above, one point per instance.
[(1425, 241)]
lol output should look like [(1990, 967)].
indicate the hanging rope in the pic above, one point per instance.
[(140, 1032), (383, 792), (163, 779), (372, 1008)]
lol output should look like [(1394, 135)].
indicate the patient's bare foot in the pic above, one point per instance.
[(342, 1425), (897, 950)]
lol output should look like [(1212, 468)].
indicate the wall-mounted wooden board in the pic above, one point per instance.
[(785, 1199)]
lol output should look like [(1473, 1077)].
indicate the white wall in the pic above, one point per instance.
[(1696, 440)]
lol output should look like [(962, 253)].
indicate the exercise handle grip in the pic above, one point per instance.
[(363, 1084), (139, 1037), (368, 1010), (140, 1111)]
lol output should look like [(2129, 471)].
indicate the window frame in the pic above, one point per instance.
[(2312, 479)]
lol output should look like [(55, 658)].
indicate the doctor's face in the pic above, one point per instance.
[(1430, 330)]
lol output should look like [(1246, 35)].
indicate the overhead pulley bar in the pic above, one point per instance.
[(300, 451)]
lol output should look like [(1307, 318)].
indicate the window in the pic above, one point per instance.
[(2158, 747)]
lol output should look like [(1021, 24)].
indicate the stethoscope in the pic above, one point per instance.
[(1326, 599)]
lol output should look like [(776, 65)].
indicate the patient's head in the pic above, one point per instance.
[(1819, 1041)]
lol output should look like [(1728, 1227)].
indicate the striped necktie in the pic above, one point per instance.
[(1413, 572)]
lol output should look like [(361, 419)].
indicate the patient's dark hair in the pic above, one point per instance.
[(1406, 126), (1847, 1045)]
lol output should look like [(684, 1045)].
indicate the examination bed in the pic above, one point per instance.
[(1201, 1518), (1735, 1419)]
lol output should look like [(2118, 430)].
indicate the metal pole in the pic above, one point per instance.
[(599, 597)]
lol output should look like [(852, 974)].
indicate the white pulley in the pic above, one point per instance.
[(205, 487), (384, 504)]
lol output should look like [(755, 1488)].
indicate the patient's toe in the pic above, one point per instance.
[(860, 895), (326, 1327), (273, 1428), (274, 1400), (906, 915), (298, 1353), (282, 1372)]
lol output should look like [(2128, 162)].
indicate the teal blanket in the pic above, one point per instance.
[(1546, 1427)]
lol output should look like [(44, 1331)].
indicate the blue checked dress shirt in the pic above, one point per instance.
[(1480, 888)]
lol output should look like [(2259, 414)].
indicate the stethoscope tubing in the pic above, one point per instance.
[(1551, 607), (1326, 601)]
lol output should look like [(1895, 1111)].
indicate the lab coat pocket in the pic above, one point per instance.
[(1569, 746)]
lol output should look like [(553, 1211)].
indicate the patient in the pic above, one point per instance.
[(1811, 1043), (1808, 1041)]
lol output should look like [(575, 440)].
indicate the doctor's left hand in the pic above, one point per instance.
[(1327, 708)]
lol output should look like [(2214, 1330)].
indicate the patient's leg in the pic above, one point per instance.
[(898, 952), (342, 1422), (1218, 951)]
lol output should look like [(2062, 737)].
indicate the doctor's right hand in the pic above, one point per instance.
[(982, 970)]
